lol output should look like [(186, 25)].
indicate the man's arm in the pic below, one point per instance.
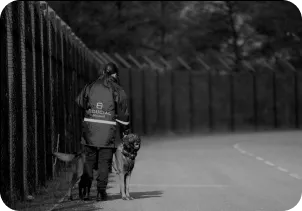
[(81, 99), (123, 117)]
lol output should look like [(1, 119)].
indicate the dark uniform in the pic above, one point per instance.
[(105, 104)]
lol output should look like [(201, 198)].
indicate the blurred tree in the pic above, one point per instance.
[(280, 25), (242, 31), (119, 26)]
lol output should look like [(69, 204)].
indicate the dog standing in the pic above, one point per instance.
[(77, 164), (123, 164)]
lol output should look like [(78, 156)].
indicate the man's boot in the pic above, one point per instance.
[(101, 195), (81, 195), (86, 193)]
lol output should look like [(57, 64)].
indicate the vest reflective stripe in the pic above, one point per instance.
[(122, 122), (100, 121)]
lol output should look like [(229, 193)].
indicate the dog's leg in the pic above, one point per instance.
[(114, 165), (77, 172), (73, 179), (127, 182), (122, 186), (82, 188)]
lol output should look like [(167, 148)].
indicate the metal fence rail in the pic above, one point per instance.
[(43, 67), (186, 99)]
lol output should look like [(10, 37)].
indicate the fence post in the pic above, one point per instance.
[(275, 100), (296, 95), (129, 69), (255, 99), (76, 89), (131, 99), (65, 82), (13, 92), (172, 102), (157, 69), (290, 67), (52, 130), (189, 69), (144, 101), (69, 90), (60, 69), (22, 50), (210, 106), (41, 100), (252, 71), (210, 92), (73, 88), (157, 100), (232, 124), (4, 150), (34, 96), (55, 65), (56, 50), (143, 91), (191, 101)]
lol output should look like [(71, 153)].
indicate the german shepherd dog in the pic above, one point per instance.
[(124, 161), (77, 163)]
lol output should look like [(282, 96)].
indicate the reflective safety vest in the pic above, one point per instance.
[(105, 104)]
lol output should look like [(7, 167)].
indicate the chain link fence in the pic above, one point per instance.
[(43, 67), (169, 97)]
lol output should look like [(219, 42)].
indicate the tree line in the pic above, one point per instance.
[(249, 32)]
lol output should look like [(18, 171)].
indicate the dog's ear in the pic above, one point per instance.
[(137, 138), (130, 138), (126, 140)]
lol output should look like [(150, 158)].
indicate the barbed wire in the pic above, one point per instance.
[(225, 64)]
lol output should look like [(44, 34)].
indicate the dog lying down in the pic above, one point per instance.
[(123, 164)]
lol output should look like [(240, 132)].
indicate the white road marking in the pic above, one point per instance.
[(296, 176), (282, 169), (269, 163), (180, 185), (259, 158)]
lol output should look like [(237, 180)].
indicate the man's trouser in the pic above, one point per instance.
[(102, 159)]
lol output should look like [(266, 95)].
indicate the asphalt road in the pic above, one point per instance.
[(233, 172)]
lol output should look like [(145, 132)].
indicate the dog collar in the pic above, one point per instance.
[(128, 154)]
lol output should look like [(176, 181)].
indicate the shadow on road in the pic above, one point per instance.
[(138, 195), (88, 205), (78, 205)]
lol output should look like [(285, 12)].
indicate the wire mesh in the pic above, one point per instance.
[(42, 71)]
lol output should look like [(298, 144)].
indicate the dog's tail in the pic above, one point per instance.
[(64, 157)]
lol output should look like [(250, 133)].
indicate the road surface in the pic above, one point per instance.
[(234, 172)]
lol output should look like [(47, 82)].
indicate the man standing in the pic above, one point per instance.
[(105, 104)]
